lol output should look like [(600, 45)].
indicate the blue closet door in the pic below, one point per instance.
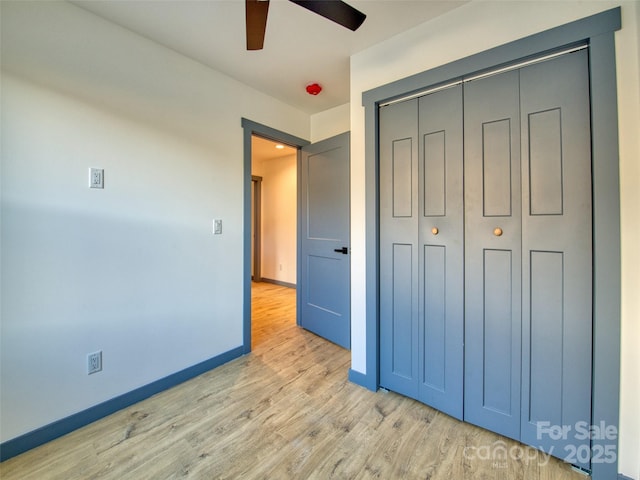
[(399, 252), (557, 265), (421, 249), (441, 258), (486, 253), (493, 253)]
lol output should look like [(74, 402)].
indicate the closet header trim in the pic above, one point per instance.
[(489, 73)]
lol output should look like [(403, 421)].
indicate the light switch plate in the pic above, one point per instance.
[(96, 178), (217, 227)]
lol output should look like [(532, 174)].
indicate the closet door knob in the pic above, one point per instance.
[(435, 230), (497, 231)]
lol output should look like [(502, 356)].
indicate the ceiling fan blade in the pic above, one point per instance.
[(256, 21), (335, 10)]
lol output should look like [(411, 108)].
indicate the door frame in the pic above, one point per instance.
[(251, 128), (256, 227), (598, 32)]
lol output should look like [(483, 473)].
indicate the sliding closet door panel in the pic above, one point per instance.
[(399, 252), (492, 199), (557, 246), (441, 302)]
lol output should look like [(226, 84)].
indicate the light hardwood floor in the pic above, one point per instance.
[(286, 411)]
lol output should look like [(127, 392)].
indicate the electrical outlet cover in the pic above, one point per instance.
[(94, 362)]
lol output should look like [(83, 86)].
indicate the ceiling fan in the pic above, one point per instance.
[(335, 10)]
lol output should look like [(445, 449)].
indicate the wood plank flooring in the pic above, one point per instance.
[(286, 411)]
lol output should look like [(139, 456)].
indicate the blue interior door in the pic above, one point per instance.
[(324, 285)]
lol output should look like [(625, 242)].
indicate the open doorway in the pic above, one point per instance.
[(253, 130), (274, 193), (322, 281)]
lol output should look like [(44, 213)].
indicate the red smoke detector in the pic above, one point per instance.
[(313, 89)]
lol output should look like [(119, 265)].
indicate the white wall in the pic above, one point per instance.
[(330, 123), (132, 270), (279, 217), (473, 28)]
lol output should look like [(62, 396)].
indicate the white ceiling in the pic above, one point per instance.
[(300, 46), (263, 149)]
